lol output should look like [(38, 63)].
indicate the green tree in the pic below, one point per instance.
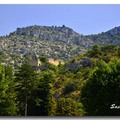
[(43, 59), (70, 87), (68, 107), (45, 98), (102, 89), (95, 52), (7, 93), (118, 51), (26, 78), (111, 48)]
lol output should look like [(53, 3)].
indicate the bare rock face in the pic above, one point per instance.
[(109, 37), (75, 65), (54, 33), (67, 35)]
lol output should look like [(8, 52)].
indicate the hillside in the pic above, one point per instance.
[(54, 33), (75, 71), (68, 35), (73, 81), (50, 41), (109, 37)]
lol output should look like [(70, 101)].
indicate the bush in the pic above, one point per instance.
[(69, 107), (69, 88), (43, 59)]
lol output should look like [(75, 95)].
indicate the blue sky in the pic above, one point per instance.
[(84, 19)]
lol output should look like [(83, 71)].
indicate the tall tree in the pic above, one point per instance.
[(26, 78), (7, 93), (45, 99)]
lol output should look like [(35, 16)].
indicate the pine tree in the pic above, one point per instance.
[(7, 93), (46, 102), (26, 79)]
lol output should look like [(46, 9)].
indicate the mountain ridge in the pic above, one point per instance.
[(51, 41), (66, 34)]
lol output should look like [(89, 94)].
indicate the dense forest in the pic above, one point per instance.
[(86, 85)]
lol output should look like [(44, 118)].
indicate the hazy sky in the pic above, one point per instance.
[(84, 19)]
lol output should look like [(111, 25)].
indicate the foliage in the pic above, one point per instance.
[(7, 93), (102, 89), (70, 87), (118, 51), (86, 85), (109, 48), (95, 52), (26, 79), (45, 94), (43, 59), (68, 107)]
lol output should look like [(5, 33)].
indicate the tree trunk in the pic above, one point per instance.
[(26, 104)]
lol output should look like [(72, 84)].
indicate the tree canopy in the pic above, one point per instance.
[(102, 89)]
